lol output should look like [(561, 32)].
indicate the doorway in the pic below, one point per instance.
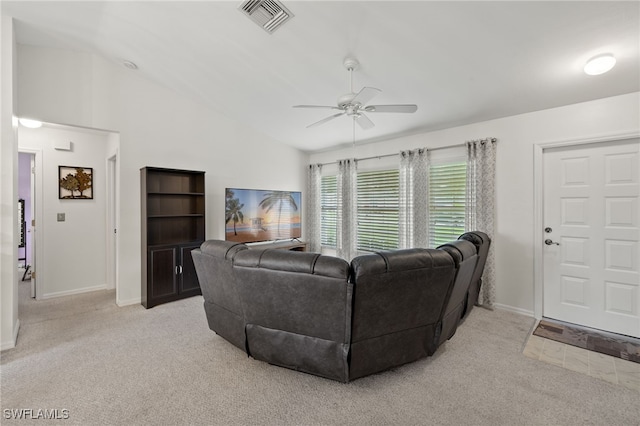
[(590, 235), (112, 222), (29, 170), (71, 223)]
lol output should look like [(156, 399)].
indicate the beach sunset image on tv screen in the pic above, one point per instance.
[(253, 215)]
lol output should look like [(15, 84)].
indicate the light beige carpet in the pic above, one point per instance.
[(110, 365)]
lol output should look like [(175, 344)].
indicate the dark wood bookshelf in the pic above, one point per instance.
[(173, 224)]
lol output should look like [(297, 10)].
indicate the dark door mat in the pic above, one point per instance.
[(624, 347)]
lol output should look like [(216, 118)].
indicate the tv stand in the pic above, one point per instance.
[(293, 245)]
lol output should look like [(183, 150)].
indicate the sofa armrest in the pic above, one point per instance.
[(466, 258), (213, 263), (482, 243)]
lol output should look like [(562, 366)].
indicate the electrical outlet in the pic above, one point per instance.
[(61, 217)]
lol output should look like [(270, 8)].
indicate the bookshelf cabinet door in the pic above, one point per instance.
[(162, 278), (188, 279)]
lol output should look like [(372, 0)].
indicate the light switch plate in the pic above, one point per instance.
[(61, 217)]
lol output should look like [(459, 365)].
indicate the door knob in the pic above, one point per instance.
[(550, 243)]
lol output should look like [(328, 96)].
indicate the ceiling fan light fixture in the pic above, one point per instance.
[(600, 64)]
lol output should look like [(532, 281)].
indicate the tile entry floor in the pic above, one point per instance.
[(604, 367)]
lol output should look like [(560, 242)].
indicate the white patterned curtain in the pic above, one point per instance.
[(314, 208), (480, 210), (347, 226), (413, 207)]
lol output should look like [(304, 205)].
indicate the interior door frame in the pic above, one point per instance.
[(538, 205), (37, 236), (113, 199)]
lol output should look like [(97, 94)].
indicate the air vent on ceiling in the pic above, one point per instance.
[(269, 14)]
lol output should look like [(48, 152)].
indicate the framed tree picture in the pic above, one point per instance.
[(75, 183)]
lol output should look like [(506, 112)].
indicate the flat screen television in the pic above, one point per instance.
[(253, 215)]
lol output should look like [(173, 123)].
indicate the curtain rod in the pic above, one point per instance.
[(397, 153)]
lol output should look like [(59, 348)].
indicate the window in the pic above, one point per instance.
[(447, 199), (378, 194), (378, 206), (329, 203)]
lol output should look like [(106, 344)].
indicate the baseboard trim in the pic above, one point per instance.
[(513, 309), (135, 301), (72, 292), (11, 344)]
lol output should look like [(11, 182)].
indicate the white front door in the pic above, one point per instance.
[(592, 232)]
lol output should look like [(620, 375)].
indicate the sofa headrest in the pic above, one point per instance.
[(293, 261), (459, 250), (224, 249), (477, 238), (400, 260)]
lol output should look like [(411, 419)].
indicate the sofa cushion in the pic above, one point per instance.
[(296, 262), (223, 249)]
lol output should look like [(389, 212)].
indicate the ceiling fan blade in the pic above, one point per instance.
[(316, 106), (363, 121), (324, 120), (365, 95), (391, 108)]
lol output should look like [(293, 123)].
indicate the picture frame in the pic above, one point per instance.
[(75, 183)]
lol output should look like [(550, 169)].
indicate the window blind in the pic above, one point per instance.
[(378, 194), (447, 199), (378, 206)]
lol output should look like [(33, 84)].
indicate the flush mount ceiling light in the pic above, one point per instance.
[(599, 64), (30, 123)]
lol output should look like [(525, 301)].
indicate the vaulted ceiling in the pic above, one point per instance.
[(460, 62)]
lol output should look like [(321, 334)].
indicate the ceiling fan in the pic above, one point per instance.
[(356, 104)]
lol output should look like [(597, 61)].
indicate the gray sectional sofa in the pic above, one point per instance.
[(322, 315)]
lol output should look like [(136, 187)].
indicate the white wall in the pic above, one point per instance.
[(517, 135), (74, 251), (9, 324), (72, 95), (157, 127)]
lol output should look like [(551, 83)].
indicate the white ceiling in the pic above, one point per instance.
[(460, 62)]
